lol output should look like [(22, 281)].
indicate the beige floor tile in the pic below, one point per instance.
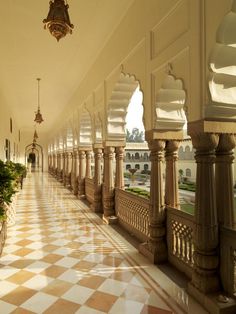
[(19, 295), (54, 271), (22, 263), (147, 309), (63, 306), (20, 310), (112, 261), (101, 301), (57, 287), (50, 248), (24, 242), (20, 277), (84, 266), (51, 258), (23, 252), (92, 282)]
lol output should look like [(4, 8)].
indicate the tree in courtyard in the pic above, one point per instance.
[(135, 136)]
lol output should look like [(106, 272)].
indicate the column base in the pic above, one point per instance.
[(215, 303), (110, 220), (96, 207), (82, 197), (155, 255)]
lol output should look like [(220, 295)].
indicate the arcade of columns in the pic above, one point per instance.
[(214, 193)]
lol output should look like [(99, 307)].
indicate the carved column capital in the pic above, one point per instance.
[(204, 141)]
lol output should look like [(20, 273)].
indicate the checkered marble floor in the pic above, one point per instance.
[(60, 257)]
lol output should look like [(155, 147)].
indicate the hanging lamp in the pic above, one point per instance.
[(38, 115), (58, 20)]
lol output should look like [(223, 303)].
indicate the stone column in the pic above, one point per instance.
[(97, 205), (119, 168), (224, 180), (88, 164), (108, 186), (205, 277), (49, 163), (76, 172), (69, 169), (171, 181), (81, 178), (156, 248), (61, 167), (65, 167), (53, 164)]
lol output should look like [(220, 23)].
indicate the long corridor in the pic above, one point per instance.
[(61, 258)]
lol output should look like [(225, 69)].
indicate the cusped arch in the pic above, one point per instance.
[(222, 80), (98, 136), (118, 105), (38, 148), (85, 129), (170, 101)]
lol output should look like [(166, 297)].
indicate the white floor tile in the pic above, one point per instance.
[(38, 282), (39, 302), (6, 308), (67, 262), (6, 287), (78, 294), (114, 287)]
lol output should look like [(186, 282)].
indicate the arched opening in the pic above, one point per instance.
[(34, 159)]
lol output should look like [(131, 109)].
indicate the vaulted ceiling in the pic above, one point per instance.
[(28, 51)]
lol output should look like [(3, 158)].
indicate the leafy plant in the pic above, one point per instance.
[(10, 173)]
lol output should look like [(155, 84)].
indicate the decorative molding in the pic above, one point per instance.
[(222, 79), (170, 101), (178, 16)]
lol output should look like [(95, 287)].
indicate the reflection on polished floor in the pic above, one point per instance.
[(61, 258)]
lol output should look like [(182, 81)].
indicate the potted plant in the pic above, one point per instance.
[(7, 177)]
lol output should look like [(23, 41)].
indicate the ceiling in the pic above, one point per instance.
[(28, 52)]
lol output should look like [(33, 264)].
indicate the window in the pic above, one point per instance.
[(128, 156), (137, 166), (188, 172), (136, 156), (128, 167), (145, 167), (8, 149)]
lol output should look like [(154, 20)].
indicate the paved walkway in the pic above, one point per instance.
[(61, 258)]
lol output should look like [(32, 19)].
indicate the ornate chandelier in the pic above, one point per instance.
[(58, 20), (38, 115)]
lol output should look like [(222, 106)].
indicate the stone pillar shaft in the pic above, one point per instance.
[(88, 164), (205, 277), (224, 180), (81, 178), (156, 248), (119, 168), (108, 187), (97, 205), (171, 184)]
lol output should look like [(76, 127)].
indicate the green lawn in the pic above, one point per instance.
[(189, 208)]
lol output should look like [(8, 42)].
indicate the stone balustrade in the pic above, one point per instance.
[(180, 227), (228, 259), (133, 213)]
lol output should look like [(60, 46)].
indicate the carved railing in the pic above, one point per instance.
[(180, 227), (89, 189), (228, 259), (133, 213)]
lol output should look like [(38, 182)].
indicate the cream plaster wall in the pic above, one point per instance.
[(152, 34), (5, 115)]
